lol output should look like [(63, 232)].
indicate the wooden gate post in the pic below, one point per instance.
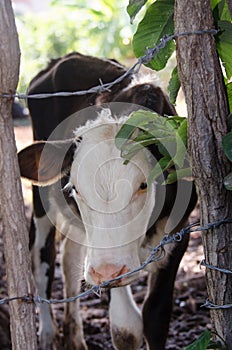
[(15, 235)]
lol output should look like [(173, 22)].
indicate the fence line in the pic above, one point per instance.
[(150, 53), (204, 263), (157, 253), (209, 305)]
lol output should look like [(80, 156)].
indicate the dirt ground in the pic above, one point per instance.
[(189, 320)]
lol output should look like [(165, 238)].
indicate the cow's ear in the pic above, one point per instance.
[(44, 162)]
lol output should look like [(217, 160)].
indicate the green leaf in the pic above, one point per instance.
[(181, 142), (167, 147), (201, 343), (133, 147), (163, 164), (229, 94), (224, 46), (157, 22), (178, 174), (228, 182), (147, 121), (227, 145), (174, 86), (134, 7), (137, 119), (144, 128), (123, 135), (182, 132), (214, 3), (220, 10), (222, 21)]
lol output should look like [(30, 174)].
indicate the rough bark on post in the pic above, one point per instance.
[(202, 82), (15, 236)]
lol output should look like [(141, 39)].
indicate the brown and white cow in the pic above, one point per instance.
[(109, 218)]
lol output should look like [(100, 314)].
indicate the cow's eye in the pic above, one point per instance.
[(143, 186)]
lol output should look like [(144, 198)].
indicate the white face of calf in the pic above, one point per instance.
[(114, 202), (113, 199)]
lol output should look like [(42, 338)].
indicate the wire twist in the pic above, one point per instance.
[(150, 53), (157, 253)]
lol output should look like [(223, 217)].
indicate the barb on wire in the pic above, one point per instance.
[(157, 253), (150, 53)]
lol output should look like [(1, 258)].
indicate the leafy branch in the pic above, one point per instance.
[(170, 134), (159, 21)]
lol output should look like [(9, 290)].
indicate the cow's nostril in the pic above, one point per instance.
[(107, 272), (123, 270), (94, 274)]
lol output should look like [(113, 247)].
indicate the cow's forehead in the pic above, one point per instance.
[(97, 158), (100, 174)]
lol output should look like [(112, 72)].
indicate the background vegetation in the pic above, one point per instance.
[(100, 28), (105, 30)]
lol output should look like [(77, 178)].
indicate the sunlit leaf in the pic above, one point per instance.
[(220, 10), (137, 119), (100, 29), (174, 86), (181, 142), (157, 22), (224, 45), (214, 3), (134, 7), (145, 128), (147, 121)]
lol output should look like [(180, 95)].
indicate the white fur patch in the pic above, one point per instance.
[(114, 211), (125, 319)]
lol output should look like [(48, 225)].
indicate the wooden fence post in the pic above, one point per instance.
[(202, 81), (15, 235)]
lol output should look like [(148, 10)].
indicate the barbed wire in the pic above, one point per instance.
[(204, 263), (150, 53), (209, 305), (157, 253)]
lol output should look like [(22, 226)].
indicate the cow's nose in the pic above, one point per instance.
[(107, 272)]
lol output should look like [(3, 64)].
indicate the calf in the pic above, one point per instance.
[(108, 215)]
